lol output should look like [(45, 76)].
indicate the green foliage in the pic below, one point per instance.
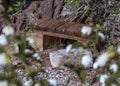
[(78, 70), (71, 66), (76, 44), (82, 74), (43, 82), (1, 50), (5, 9), (10, 75), (30, 71), (17, 6), (73, 3), (114, 77), (92, 40), (21, 56)]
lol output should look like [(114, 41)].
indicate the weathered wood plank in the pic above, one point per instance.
[(62, 29), (49, 25), (75, 30), (53, 24), (59, 35), (50, 31)]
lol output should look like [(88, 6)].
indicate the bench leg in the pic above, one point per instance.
[(44, 42)]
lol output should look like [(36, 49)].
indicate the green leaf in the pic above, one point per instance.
[(43, 82), (17, 4), (20, 56), (2, 50), (113, 79), (31, 71), (22, 43), (3, 77), (69, 65), (96, 37), (76, 44), (82, 75)]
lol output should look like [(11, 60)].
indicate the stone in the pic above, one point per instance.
[(56, 57), (61, 56)]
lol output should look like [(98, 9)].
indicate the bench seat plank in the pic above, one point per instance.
[(49, 31), (63, 29)]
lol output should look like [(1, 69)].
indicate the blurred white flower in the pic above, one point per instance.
[(3, 59), (103, 77), (28, 83), (95, 65), (3, 40), (2, 9), (16, 48), (101, 60), (28, 51), (30, 41), (36, 56), (113, 67), (101, 35), (86, 30), (37, 84), (4, 83), (68, 48), (52, 82), (118, 49), (86, 60), (113, 85), (86, 84), (8, 30)]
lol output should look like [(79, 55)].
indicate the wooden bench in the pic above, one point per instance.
[(48, 31)]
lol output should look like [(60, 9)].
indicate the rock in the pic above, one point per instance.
[(56, 57), (59, 56)]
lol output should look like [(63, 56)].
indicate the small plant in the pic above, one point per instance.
[(73, 3), (17, 6)]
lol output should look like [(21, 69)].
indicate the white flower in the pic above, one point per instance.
[(28, 83), (3, 59), (36, 56), (118, 49), (8, 30), (3, 40), (101, 60), (86, 30), (103, 77), (37, 84), (4, 83), (68, 48), (86, 84), (95, 65), (28, 51), (30, 41), (114, 67), (16, 48), (86, 60), (2, 9), (113, 85), (101, 35), (53, 82)]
